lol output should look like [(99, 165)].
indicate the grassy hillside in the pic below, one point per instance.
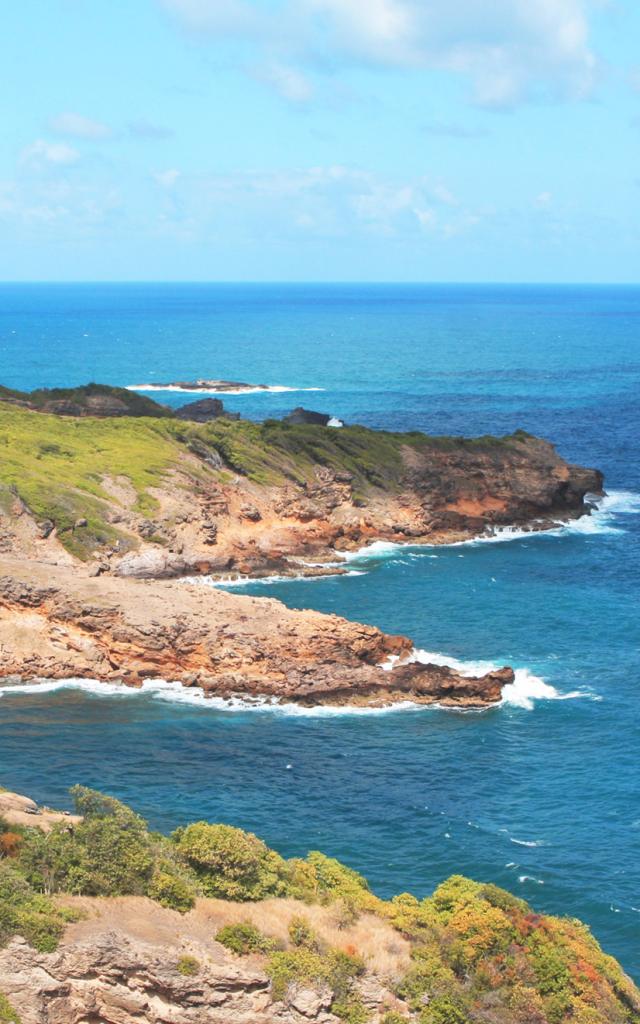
[(478, 954), (57, 464)]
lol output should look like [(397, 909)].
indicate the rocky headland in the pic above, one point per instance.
[(56, 624), (106, 496)]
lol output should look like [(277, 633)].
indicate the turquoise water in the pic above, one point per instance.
[(540, 795)]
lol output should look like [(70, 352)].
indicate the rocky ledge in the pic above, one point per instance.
[(55, 624)]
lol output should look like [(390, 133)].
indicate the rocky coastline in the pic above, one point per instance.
[(107, 498)]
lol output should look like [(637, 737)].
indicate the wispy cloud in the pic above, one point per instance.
[(510, 50), (290, 82), (168, 178), (41, 153), (78, 126), (327, 202), (143, 129)]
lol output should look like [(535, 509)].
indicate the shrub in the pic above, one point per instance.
[(230, 863), (108, 854), (444, 1010), (10, 843), (350, 1010), (336, 969), (27, 913), (302, 934), (244, 937), (393, 1018), (171, 890), (188, 966)]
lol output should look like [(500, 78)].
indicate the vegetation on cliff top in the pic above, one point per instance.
[(479, 954), (58, 465)]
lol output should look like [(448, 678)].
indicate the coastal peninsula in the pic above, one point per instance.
[(110, 519)]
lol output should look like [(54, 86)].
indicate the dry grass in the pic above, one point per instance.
[(385, 951)]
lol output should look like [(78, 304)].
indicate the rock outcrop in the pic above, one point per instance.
[(55, 624), (205, 410), (308, 416)]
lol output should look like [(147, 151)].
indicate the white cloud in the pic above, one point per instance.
[(57, 207), (79, 127), (41, 152), (510, 50), (333, 201), (543, 200)]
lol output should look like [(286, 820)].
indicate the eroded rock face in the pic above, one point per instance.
[(114, 980), (56, 624)]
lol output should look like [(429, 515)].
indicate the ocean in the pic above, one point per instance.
[(539, 795)]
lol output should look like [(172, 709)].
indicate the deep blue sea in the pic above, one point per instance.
[(540, 795)]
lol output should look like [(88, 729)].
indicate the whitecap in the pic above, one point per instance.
[(529, 878), (175, 692), (526, 842)]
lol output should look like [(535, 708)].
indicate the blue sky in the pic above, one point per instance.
[(423, 140)]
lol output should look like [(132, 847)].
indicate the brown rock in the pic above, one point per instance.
[(55, 624)]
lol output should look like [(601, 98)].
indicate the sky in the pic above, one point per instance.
[(320, 140)]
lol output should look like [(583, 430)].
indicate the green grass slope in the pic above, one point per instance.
[(57, 464)]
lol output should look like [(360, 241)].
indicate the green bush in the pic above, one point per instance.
[(171, 890), (231, 864), (444, 1010), (336, 969), (109, 853), (244, 937), (188, 966), (350, 1010), (394, 1018)]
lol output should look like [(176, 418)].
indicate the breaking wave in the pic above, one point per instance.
[(246, 581), (250, 389), (522, 693), (603, 520), (175, 692)]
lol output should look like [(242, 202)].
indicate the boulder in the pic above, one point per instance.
[(152, 564)]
